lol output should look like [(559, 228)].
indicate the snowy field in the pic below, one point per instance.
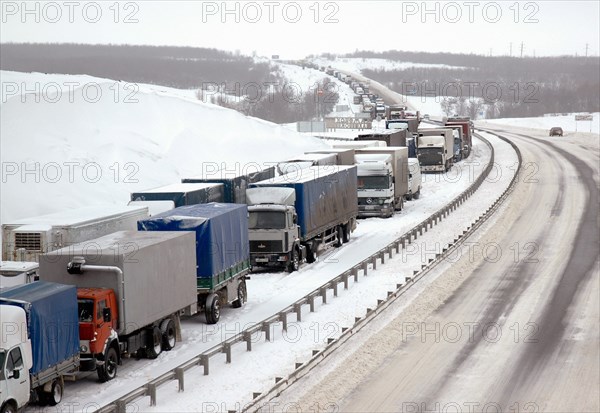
[(355, 64), (99, 140), (546, 122)]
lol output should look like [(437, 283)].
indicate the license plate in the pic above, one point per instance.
[(262, 260), (370, 207)]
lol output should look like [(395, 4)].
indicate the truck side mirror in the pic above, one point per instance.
[(16, 374), (106, 315)]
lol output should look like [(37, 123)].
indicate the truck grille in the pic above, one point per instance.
[(31, 241), (266, 246)]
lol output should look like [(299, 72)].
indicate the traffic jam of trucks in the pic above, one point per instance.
[(189, 249)]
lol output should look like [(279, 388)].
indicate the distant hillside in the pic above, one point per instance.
[(502, 86), (179, 67)]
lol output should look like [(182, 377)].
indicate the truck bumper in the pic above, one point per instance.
[(433, 168), (366, 211), (87, 363), (269, 260)]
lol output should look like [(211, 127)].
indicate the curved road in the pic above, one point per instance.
[(520, 332)]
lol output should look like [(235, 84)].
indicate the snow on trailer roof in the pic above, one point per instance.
[(17, 266), (372, 157), (247, 171), (78, 216), (304, 175), (179, 188), (309, 157)]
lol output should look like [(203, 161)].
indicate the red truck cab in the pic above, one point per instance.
[(98, 315)]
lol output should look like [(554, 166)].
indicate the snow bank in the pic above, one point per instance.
[(71, 141)]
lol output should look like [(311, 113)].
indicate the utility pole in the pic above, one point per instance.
[(521, 49)]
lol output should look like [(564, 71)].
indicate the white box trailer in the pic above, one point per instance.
[(400, 165), (26, 239), (358, 145)]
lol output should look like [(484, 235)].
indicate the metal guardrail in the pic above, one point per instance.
[(119, 405), (333, 344)]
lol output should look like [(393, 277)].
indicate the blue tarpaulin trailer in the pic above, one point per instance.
[(52, 323)]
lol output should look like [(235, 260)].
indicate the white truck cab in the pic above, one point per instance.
[(15, 359), (375, 185)]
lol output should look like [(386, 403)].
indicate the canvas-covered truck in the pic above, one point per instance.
[(343, 156), (132, 288), (39, 343), (292, 216), (26, 239), (458, 149), (398, 181), (392, 137), (13, 273), (172, 196), (234, 183), (221, 250), (467, 131), (435, 149), (306, 160)]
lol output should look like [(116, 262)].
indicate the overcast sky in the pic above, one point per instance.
[(296, 29)]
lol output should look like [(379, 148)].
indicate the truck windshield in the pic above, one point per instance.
[(86, 310), (266, 220), (373, 182), (429, 156)]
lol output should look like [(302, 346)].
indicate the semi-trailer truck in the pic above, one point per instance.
[(132, 288), (39, 343), (172, 196), (373, 203), (435, 149), (234, 184), (220, 248), (292, 216), (343, 156), (467, 131), (392, 137), (306, 160), (26, 239)]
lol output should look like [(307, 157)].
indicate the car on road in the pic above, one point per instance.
[(556, 131)]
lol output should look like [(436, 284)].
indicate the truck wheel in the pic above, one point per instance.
[(9, 408), (154, 347), (241, 295), (56, 393), (346, 236), (417, 194), (339, 237), (294, 262), (167, 331), (212, 309), (109, 370), (310, 255)]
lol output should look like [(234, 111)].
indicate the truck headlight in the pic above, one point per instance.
[(381, 201), (83, 349)]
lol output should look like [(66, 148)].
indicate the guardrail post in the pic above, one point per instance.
[(283, 319), (151, 387), (335, 288), (397, 245), (374, 262), (355, 274), (227, 351), (121, 406), (365, 267), (345, 279), (382, 257), (311, 302), (267, 329), (324, 295), (248, 340), (179, 374), (204, 363), (298, 310), (390, 251)]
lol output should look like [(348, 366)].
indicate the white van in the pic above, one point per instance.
[(414, 179)]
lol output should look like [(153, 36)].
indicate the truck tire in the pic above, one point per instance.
[(154, 347), (417, 194), (346, 236), (56, 393), (212, 309), (168, 333), (242, 294), (9, 408), (310, 254), (339, 237), (294, 261), (108, 371)]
